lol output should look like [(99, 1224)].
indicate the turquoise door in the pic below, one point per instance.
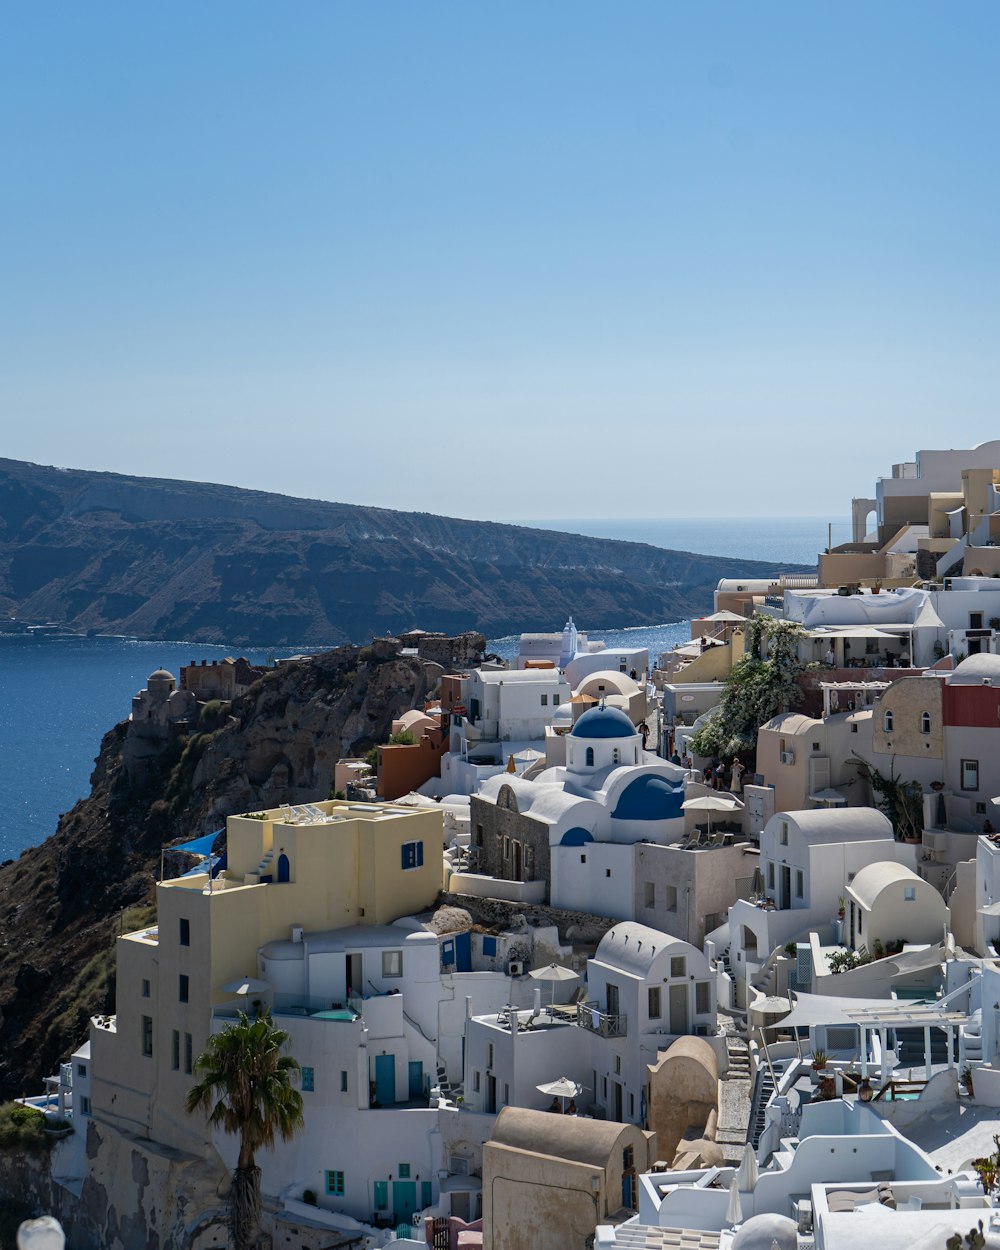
[(404, 1200), (385, 1079), (416, 1079)]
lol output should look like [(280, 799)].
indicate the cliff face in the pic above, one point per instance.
[(62, 903), (164, 559)]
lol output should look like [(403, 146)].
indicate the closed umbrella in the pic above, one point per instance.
[(746, 1174), (734, 1211)]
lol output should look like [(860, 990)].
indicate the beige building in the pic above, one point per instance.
[(549, 1180), (684, 1103), (322, 867), (801, 756), (887, 902)]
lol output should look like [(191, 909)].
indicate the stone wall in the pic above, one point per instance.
[(527, 840), (579, 927)]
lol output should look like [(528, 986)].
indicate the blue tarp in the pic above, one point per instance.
[(200, 846)]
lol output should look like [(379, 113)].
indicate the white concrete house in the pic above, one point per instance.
[(807, 861), (643, 990), (888, 901)]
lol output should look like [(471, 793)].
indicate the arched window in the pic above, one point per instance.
[(590, 757), (925, 722), (887, 722)]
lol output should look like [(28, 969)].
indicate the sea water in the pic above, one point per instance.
[(58, 696)]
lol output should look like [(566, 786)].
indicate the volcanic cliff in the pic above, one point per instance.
[(102, 552), (62, 903)]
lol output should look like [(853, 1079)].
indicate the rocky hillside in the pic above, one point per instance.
[(164, 559), (62, 903)]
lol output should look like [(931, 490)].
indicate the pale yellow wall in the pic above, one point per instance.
[(714, 664), (342, 873), (939, 504), (907, 699)]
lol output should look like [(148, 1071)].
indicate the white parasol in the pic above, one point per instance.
[(746, 1173), (734, 1211), (711, 803)]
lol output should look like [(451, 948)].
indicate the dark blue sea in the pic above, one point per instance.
[(58, 696)]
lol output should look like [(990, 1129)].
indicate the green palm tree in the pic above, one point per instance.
[(246, 1090)]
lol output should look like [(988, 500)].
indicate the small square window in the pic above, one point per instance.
[(183, 988), (81, 1069), (412, 855), (654, 1002), (555, 700), (392, 963), (678, 966), (583, 857), (145, 988), (335, 1184), (910, 893), (85, 1106), (489, 946), (404, 1171), (545, 700), (185, 931), (607, 872), (308, 1080)]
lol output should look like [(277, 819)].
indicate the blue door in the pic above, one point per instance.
[(463, 952), (404, 1200), (416, 1079), (283, 868), (385, 1079)]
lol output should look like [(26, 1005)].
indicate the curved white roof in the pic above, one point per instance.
[(975, 669), (839, 824), (621, 682), (874, 878), (896, 607), (792, 723), (548, 803), (633, 947)]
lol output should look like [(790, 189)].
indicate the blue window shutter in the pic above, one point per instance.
[(420, 854)]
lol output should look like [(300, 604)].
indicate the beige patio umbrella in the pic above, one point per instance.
[(747, 1172), (711, 803), (553, 973), (563, 1087)]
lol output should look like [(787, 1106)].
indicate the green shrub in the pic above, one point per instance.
[(403, 739), (22, 1128)]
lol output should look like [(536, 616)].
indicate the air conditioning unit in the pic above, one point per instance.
[(788, 757), (458, 1166), (515, 968)]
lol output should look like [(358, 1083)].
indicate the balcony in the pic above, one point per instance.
[(589, 1016)]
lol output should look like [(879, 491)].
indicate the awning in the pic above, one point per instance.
[(991, 909), (854, 631), (199, 846), (811, 1010)]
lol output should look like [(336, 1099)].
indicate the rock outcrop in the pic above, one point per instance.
[(162, 559), (63, 903)]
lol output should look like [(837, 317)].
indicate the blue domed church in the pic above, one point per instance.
[(568, 835)]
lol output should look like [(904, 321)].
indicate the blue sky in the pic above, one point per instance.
[(501, 260)]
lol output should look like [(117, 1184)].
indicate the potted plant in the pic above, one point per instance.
[(791, 950), (967, 1082), (877, 586), (819, 1060), (841, 908)]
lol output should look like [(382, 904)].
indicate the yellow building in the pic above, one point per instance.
[(323, 866)]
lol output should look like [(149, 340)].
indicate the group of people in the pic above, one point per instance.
[(722, 776)]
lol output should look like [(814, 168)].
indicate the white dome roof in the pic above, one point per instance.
[(977, 668)]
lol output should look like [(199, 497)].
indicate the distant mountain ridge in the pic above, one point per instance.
[(155, 558)]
